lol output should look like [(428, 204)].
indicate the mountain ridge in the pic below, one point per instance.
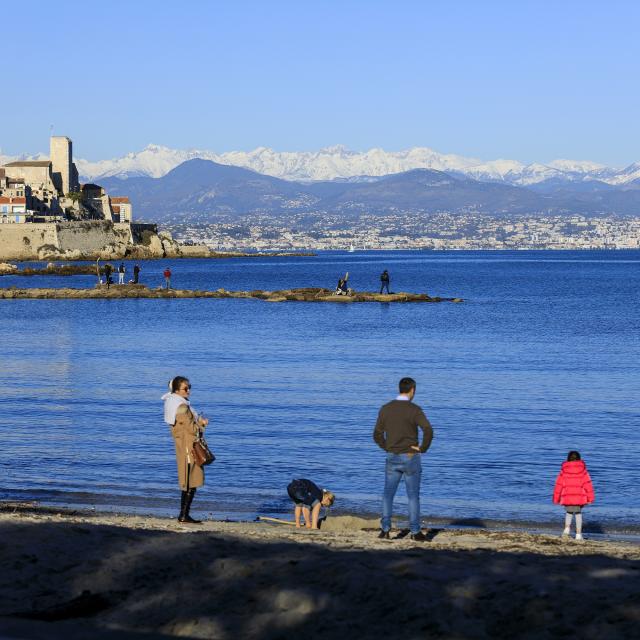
[(338, 162), (200, 190)]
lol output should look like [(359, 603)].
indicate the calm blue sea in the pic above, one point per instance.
[(543, 357)]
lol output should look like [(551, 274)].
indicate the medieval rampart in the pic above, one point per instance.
[(38, 241)]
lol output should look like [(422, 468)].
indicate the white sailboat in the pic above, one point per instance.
[(351, 248)]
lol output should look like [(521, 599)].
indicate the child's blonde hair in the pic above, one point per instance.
[(330, 497)]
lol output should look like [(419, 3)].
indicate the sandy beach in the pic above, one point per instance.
[(82, 574)]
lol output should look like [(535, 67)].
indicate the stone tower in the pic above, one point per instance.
[(61, 154)]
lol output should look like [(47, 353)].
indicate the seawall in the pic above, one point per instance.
[(81, 240)]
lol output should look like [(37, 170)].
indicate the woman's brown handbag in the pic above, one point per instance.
[(201, 453)]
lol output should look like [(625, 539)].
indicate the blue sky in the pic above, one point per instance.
[(531, 81)]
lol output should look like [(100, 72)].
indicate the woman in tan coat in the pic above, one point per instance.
[(186, 426)]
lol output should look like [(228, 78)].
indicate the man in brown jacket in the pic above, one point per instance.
[(396, 432)]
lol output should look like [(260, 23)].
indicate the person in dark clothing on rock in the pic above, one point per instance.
[(396, 432), (308, 498), (384, 281), (136, 273), (342, 288), (108, 269)]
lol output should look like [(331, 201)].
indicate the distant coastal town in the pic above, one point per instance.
[(410, 232), (45, 191)]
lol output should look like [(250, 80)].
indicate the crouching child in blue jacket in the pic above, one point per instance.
[(308, 498)]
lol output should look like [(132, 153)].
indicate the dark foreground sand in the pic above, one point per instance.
[(103, 576)]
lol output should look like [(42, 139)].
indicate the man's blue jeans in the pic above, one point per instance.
[(409, 466)]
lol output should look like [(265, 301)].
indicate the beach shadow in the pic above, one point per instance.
[(469, 522), (594, 527), (220, 584)]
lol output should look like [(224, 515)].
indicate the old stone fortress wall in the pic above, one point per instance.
[(46, 213), (70, 240)]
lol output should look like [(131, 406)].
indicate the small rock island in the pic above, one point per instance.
[(308, 294)]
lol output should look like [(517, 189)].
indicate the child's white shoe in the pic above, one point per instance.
[(565, 534), (579, 537)]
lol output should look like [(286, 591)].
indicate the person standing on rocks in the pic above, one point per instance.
[(396, 432), (121, 272), (167, 278), (186, 426), (136, 273), (384, 281), (107, 274)]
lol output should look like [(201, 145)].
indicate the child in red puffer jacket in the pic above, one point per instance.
[(573, 490)]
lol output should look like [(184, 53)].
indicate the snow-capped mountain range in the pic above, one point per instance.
[(338, 162)]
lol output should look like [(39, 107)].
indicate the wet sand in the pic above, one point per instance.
[(73, 573)]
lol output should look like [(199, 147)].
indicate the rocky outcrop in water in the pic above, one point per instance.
[(53, 269), (286, 295), (7, 269)]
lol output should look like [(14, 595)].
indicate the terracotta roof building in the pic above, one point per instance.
[(122, 209)]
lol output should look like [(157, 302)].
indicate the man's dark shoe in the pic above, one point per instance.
[(419, 537), (403, 533), (383, 535)]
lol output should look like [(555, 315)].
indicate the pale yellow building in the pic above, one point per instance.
[(36, 176), (121, 208), (64, 172)]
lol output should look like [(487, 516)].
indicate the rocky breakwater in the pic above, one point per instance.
[(285, 295), (313, 294), (51, 269), (7, 269)]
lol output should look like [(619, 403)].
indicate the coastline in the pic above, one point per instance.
[(67, 573), (69, 268), (594, 529)]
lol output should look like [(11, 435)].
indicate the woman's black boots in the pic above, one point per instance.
[(185, 505)]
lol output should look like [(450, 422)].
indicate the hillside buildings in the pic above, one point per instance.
[(429, 232), (49, 190)]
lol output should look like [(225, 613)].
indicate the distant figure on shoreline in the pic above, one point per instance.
[(396, 432), (108, 269), (308, 498), (573, 490), (384, 281), (136, 273), (121, 272), (167, 278), (186, 426)]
